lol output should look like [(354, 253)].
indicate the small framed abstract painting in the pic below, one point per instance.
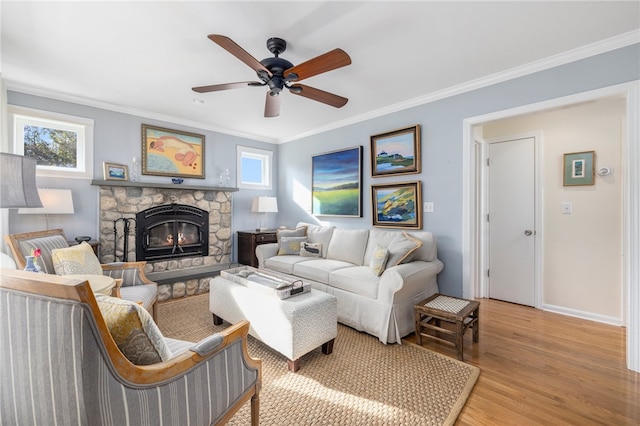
[(396, 152), (579, 168), (167, 152), (337, 183), (397, 205), (115, 171)]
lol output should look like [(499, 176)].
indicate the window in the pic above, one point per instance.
[(254, 168), (61, 144)]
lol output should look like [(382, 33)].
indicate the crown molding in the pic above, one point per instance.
[(593, 49)]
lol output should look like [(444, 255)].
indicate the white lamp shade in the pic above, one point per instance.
[(54, 201), (265, 205)]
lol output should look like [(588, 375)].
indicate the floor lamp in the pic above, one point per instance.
[(264, 205), (17, 189), (54, 201)]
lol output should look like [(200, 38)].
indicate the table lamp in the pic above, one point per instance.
[(264, 205), (54, 201)]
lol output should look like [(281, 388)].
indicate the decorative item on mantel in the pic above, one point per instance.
[(225, 178)]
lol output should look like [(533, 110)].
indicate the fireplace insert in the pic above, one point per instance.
[(172, 231)]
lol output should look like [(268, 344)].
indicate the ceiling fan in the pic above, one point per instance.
[(278, 73)]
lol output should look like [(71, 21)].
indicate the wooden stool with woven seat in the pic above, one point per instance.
[(461, 313)]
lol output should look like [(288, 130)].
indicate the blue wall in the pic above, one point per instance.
[(117, 139), (442, 137)]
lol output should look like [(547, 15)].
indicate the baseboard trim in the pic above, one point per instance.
[(582, 314)]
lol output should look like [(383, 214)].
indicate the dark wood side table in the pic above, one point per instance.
[(247, 243), (431, 312)]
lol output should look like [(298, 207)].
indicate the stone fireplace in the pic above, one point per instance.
[(122, 202)]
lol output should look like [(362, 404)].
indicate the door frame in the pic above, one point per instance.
[(482, 181), (631, 201)]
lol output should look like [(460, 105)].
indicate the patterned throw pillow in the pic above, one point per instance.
[(78, 259), (290, 245), (133, 330), (300, 231), (311, 249), (379, 260), (401, 249)]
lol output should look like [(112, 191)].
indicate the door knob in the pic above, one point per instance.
[(528, 232)]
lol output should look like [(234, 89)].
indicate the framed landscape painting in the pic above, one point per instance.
[(396, 152), (397, 205), (167, 152), (337, 183)]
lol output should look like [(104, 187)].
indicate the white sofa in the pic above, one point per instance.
[(345, 266)]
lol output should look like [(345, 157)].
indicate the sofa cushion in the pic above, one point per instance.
[(378, 237), (310, 249), (401, 249), (79, 259), (319, 234), (379, 260), (290, 245), (283, 264), (428, 252), (358, 279), (133, 330), (348, 245), (318, 269)]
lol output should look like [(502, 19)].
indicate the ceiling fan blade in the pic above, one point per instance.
[(318, 95), (336, 58), (272, 105), (217, 87), (232, 47)]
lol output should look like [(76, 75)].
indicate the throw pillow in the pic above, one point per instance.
[(379, 260), (401, 249), (290, 245), (133, 330), (311, 249), (298, 232), (78, 259)]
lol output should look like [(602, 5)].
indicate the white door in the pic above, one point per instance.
[(511, 219)]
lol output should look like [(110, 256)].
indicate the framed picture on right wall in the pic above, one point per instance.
[(579, 168), (397, 205)]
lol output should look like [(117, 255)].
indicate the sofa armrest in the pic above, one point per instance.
[(403, 282), (265, 251)]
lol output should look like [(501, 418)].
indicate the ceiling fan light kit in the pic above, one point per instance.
[(277, 73)]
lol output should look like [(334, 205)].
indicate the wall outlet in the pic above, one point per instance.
[(428, 207), (567, 207)]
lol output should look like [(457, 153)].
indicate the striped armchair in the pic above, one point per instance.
[(60, 365), (135, 286)]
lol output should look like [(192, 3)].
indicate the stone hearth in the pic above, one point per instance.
[(176, 277)]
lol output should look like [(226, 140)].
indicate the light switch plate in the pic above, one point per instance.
[(567, 207), (428, 207)]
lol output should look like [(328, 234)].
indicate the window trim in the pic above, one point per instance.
[(21, 116), (266, 158)]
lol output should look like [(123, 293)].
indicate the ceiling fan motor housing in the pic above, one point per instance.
[(277, 67)]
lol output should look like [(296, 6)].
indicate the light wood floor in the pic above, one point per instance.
[(541, 368)]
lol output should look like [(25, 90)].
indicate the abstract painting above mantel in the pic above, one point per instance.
[(174, 153), (396, 152), (337, 183), (397, 205)]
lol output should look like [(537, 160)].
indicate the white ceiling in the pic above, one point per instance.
[(143, 57)]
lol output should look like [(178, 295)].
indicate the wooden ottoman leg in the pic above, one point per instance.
[(327, 347), (459, 338), (476, 325), (293, 365)]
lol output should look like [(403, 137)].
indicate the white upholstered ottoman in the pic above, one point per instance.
[(293, 326)]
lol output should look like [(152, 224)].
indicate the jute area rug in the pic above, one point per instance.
[(363, 382)]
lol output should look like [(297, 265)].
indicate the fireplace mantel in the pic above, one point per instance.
[(161, 185)]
